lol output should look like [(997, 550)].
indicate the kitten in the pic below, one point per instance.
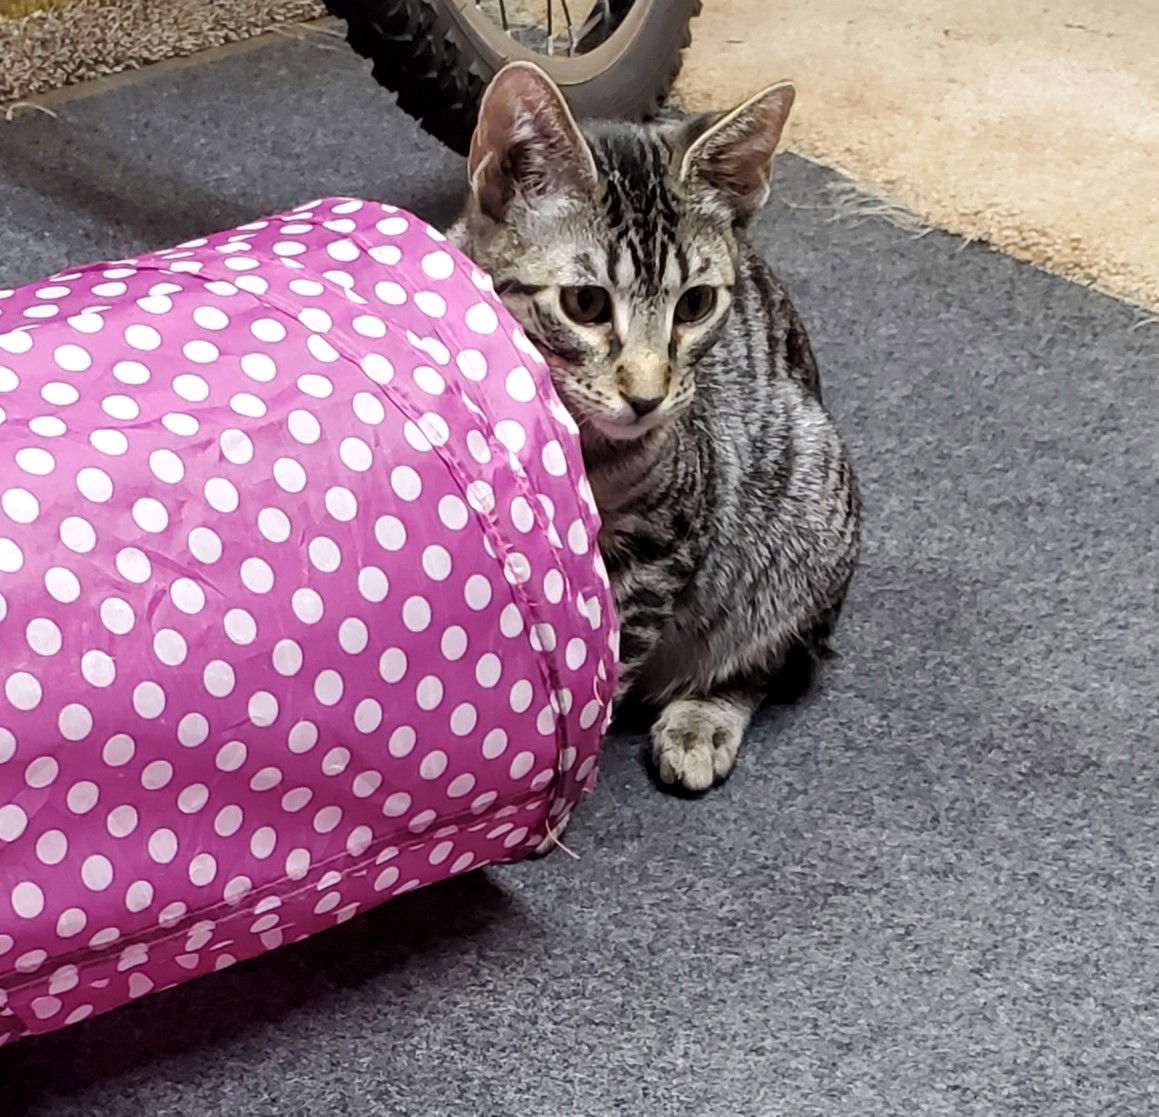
[(730, 511)]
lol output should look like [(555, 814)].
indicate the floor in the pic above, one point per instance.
[(1034, 127), (929, 887)]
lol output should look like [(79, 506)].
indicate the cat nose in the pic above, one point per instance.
[(643, 405)]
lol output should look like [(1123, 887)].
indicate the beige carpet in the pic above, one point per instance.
[(66, 44), (1033, 126)]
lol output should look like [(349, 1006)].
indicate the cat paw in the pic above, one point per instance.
[(695, 742)]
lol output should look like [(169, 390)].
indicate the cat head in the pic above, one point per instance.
[(615, 247)]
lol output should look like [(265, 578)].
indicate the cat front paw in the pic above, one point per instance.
[(695, 742)]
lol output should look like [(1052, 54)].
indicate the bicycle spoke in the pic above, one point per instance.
[(570, 28)]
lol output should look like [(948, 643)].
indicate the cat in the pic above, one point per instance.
[(731, 515)]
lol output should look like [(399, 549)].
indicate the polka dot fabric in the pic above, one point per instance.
[(299, 600)]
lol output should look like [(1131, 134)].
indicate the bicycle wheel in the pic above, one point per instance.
[(438, 55)]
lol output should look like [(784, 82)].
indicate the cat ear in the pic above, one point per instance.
[(526, 143), (735, 155)]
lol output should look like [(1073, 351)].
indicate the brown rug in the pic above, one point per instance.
[(65, 44), (1034, 127)]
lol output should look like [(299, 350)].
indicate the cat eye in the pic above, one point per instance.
[(588, 306), (695, 305)]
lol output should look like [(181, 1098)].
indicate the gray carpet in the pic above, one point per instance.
[(930, 886)]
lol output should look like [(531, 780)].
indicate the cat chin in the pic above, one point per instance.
[(611, 430)]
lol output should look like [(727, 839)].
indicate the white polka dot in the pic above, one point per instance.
[(150, 515), (122, 820), (97, 872), (520, 385), (296, 798), (396, 805), (590, 714), (481, 319), (262, 708), (416, 614), (269, 330), (259, 367), (162, 845), (41, 772), (192, 730), (392, 665), (187, 596), (75, 722), (257, 575), (142, 337), (43, 636), (13, 822), (313, 384), (98, 668), (343, 251), (12, 557), (438, 265), (148, 699), (327, 819), (321, 350), (429, 692), (52, 847), (521, 764), (236, 446), (390, 533), (218, 678), (464, 718), (59, 394), (247, 404), (297, 863), (240, 626), (453, 513), (211, 318), (355, 454), (156, 775), (34, 460), (488, 670), (202, 869), (263, 841), (353, 635), (481, 497), (71, 922), (7, 745), (477, 592), (77, 534), (274, 525), (328, 687), (289, 475), (169, 647), (511, 434), (336, 761), (109, 442), (228, 820), (368, 325), (307, 605), (431, 304), (303, 427), (429, 380), (200, 352), (118, 750), (287, 657), (176, 422), (221, 495), (377, 367), (462, 785), (27, 898), (341, 503), (61, 584), (47, 426), (20, 506), (134, 565), (521, 696), (231, 756), (23, 690), (72, 358)]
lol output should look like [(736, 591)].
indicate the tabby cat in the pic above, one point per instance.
[(730, 510)]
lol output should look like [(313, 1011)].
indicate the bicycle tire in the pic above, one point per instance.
[(439, 55)]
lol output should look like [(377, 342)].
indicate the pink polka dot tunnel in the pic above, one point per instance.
[(300, 602)]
